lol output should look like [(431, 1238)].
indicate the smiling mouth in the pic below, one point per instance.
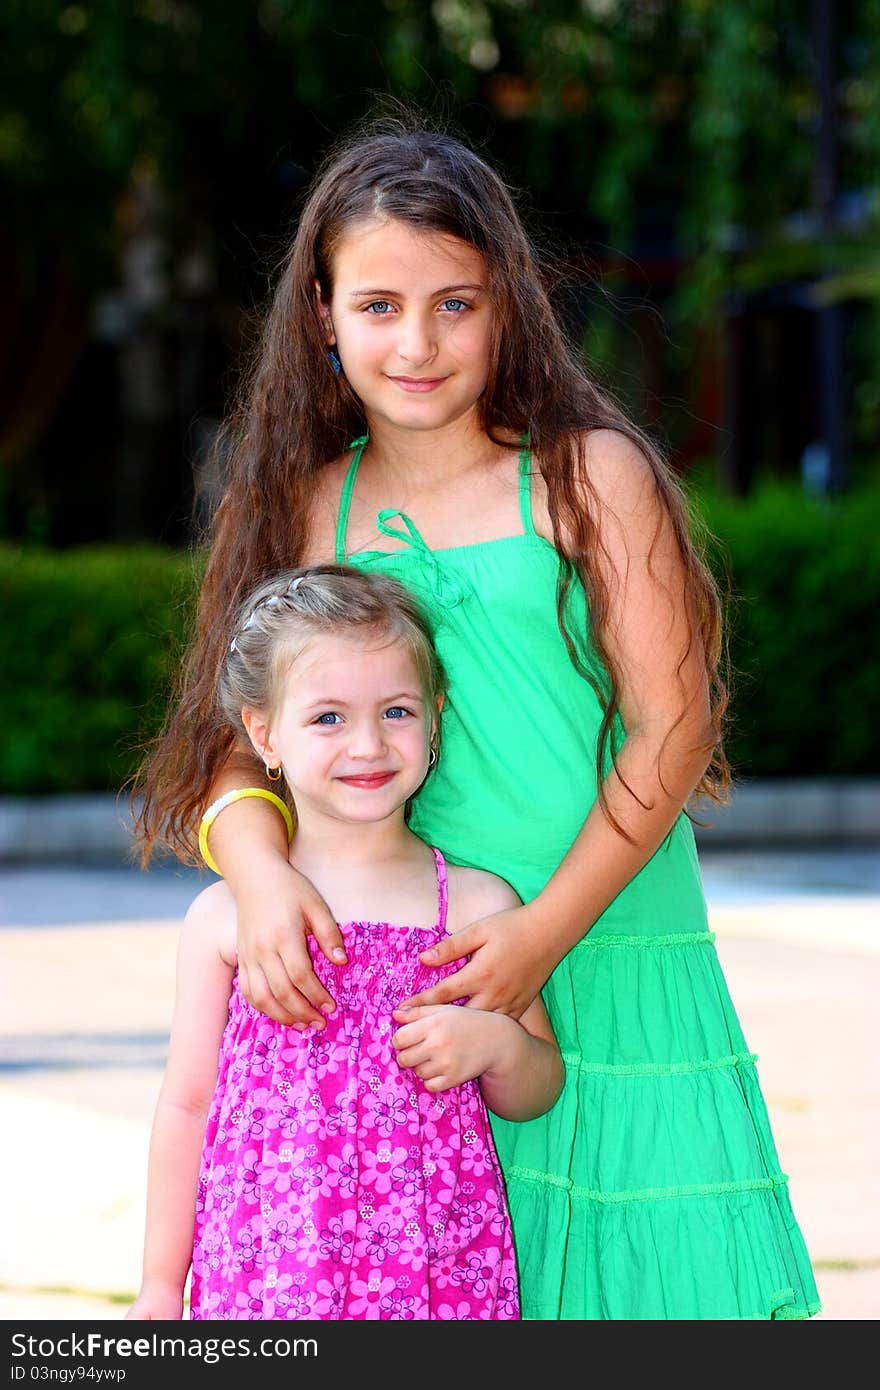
[(418, 383), (368, 779)]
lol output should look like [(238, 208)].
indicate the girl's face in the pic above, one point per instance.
[(351, 729), (411, 321)]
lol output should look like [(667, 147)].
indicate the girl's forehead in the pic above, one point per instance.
[(353, 661), (377, 254)]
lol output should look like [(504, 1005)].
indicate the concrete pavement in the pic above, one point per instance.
[(86, 992)]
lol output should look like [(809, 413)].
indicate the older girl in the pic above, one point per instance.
[(414, 409)]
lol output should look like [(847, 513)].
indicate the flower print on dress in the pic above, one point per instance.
[(219, 1266), (397, 1306), (247, 1255), (413, 1252), (249, 1303), (507, 1299), (407, 1177), (213, 1305), (343, 1168), (376, 1049), (211, 1254), (265, 1053), (307, 1252), (224, 1196), (472, 1274), (319, 1051), (335, 1242), (352, 1039), (342, 1117), (278, 1241), (330, 1296), (377, 1165), (365, 1296), (294, 1304), (498, 1214), (251, 1175), (441, 1173), (389, 1113), (382, 1242), (289, 1118), (254, 1124), (458, 1312), (277, 1171), (475, 1161), (308, 1178), (332, 1217), (469, 1212)]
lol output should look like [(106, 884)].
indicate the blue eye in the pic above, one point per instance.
[(329, 719), (379, 305), (396, 712), (459, 303)]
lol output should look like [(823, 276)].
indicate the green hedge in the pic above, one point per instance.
[(803, 624), (89, 638), (87, 642)]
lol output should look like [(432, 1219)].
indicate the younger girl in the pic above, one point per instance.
[(348, 1173), (415, 410)]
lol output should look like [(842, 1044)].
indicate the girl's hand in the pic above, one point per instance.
[(157, 1302), (510, 960), (446, 1044), (275, 917)]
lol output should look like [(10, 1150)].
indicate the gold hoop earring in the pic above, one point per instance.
[(433, 758), (273, 773)]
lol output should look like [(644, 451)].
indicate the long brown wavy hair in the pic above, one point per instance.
[(293, 415)]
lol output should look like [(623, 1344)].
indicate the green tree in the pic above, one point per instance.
[(146, 143)]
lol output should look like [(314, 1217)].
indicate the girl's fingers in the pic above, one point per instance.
[(286, 997), (409, 1036), (437, 1083), (295, 984), (446, 992), (406, 1013), (485, 1001), (413, 1057), (325, 930), (257, 991), (451, 948)]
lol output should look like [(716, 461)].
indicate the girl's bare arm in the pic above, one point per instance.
[(200, 1011), (517, 1063), (277, 906)]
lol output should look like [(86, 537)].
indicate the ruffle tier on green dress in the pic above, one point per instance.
[(655, 1174)]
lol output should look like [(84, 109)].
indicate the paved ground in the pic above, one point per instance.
[(85, 998)]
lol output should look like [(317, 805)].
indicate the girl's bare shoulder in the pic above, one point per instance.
[(619, 473), (475, 893), (211, 922), (327, 491)]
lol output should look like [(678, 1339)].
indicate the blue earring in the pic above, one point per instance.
[(334, 361)]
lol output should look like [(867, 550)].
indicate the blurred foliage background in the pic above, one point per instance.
[(703, 177)]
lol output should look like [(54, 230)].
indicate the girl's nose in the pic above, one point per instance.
[(415, 344), (366, 741)]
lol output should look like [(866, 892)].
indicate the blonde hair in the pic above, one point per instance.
[(282, 615)]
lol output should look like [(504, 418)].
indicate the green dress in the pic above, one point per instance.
[(652, 1189)]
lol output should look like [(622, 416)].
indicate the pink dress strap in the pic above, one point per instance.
[(442, 889)]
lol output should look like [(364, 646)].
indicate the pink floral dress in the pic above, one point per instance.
[(334, 1185)]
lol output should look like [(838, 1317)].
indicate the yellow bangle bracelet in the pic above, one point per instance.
[(238, 794)]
